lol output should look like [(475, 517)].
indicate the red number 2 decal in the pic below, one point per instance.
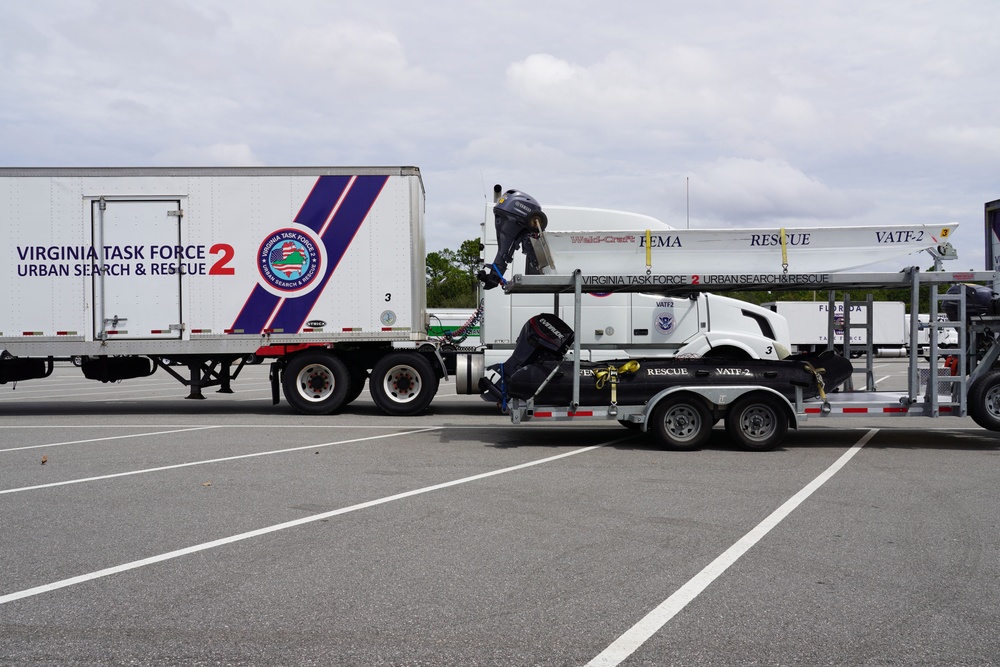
[(695, 279), (220, 268)]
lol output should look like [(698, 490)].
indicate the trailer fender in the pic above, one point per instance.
[(719, 399)]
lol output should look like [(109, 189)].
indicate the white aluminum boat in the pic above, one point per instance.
[(610, 242)]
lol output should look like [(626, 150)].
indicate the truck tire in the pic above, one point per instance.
[(316, 383), (403, 383), (681, 423), (757, 422), (984, 401)]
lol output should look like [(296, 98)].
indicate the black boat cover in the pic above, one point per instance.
[(635, 381), (544, 340)]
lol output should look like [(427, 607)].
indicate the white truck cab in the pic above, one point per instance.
[(616, 325), (621, 325)]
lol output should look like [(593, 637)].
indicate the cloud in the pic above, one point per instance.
[(679, 98), (743, 191), (354, 54), (968, 145), (631, 86), (227, 155)]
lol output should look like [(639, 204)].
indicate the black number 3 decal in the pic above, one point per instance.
[(388, 296)]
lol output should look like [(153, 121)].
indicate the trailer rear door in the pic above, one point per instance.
[(137, 276)]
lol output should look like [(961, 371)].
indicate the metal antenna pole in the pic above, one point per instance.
[(687, 198)]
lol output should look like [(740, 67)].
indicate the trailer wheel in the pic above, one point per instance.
[(757, 422), (316, 383), (681, 423), (403, 384), (984, 401)]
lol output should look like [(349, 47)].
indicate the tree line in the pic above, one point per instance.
[(451, 276)]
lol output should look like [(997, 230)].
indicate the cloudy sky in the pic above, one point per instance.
[(710, 113)]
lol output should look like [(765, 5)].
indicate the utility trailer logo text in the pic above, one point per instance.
[(289, 260)]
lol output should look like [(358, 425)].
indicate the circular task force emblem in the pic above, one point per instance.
[(289, 260), (664, 322)]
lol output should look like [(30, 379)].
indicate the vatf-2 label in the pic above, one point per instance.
[(38, 261), (908, 236)]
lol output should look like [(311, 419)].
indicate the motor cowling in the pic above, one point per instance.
[(544, 337), (517, 215), (979, 300)]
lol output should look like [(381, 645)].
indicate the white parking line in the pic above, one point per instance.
[(125, 567), (110, 437), (143, 471), (649, 625), (501, 425)]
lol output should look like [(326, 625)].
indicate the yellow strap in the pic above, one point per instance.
[(784, 250), (603, 374), (819, 379), (649, 252), (629, 367)]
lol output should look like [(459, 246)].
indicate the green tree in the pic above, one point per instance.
[(451, 276)]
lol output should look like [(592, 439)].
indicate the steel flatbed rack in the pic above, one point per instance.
[(924, 395)]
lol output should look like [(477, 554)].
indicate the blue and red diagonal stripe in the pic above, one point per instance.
[(334, 209)]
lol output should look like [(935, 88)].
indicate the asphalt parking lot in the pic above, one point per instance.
[(141, 528)]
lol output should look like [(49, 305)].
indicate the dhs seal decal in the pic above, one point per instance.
[(664, 322), (289, 260)]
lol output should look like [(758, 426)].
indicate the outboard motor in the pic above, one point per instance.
[(979, 300), (518, 215), (544, 337)]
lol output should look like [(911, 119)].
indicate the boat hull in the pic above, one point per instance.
[(735, 250), (655, 375)]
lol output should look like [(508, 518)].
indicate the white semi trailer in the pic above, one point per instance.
[(947, 337), (318, 270), (817, 325)]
